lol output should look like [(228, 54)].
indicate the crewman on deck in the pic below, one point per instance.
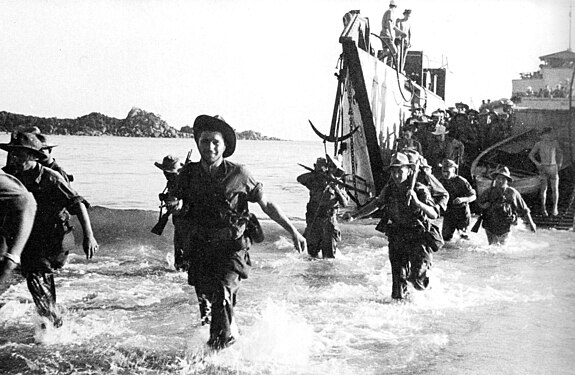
[(213, 195), (325, 198), (457, 216), (44, 252), (387, 34), (403, 37), (501, 204), (407, 208)]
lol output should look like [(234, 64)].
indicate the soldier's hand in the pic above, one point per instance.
[(412, 195), (347, 217), (299, 242), (173, 205), (90, 246)]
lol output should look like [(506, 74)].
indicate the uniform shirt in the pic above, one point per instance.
[(457, 187), (209, 202), (394, 201), (54, 198), (323, 198), (493, 195)]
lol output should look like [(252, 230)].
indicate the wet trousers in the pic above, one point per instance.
[(41, 286), (216, 271), (218, 298), (181, 245), (496, 239), (322, 235), (455, 218), (410, 260)]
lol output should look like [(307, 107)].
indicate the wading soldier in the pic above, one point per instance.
[(48, 161), (44, 253), (457, 216), (214, 195), (325, 197), (17, 210), (501, 204), (407, 208), (171, 166)]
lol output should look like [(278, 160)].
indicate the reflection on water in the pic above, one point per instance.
[(490, 310)]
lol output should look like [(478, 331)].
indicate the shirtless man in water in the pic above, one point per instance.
[(549, 164)]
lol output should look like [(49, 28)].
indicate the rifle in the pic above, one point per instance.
[(335, 180), (413, 181), (162, 222), (163, 219), (477, 224)]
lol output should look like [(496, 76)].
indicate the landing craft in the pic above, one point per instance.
[(372, 102), (540, 99)]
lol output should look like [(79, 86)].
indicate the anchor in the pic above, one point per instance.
[(332, 137)]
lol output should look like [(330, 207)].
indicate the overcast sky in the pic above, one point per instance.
[(261, 64)]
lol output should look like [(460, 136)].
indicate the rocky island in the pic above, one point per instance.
[(138, 123)]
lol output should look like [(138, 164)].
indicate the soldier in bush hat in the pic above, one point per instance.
[(407, 209), (213, 195), (457, 216), (171, 166), (325, 199), (501, 204), (49, 161), (44, 252)]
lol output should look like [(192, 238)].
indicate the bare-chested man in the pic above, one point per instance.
[(549, 164)]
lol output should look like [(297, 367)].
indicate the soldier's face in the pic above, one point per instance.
[(21, 160), (211, 146), (448, 173), (400, 174), (501, 181)]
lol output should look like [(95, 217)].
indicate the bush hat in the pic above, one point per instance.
[(448, 163), (440, 130), (170, 164), (399, 160), (504, 171), (25, 141), (45, 144), (216, 124)]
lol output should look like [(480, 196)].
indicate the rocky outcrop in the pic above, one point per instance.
[(255, 136), (138, 123)]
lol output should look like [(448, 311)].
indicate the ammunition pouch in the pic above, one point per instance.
[(254, 230)]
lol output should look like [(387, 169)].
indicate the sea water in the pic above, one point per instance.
[(490, 309)]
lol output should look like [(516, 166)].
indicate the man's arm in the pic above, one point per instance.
[(366, 210), (22, 220), (534, 152), (89, 243), (559, 156), (276, 214)]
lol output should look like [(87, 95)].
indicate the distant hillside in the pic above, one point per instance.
[(138, 123)]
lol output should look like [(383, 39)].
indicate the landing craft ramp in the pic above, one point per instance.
[(372, 102)]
